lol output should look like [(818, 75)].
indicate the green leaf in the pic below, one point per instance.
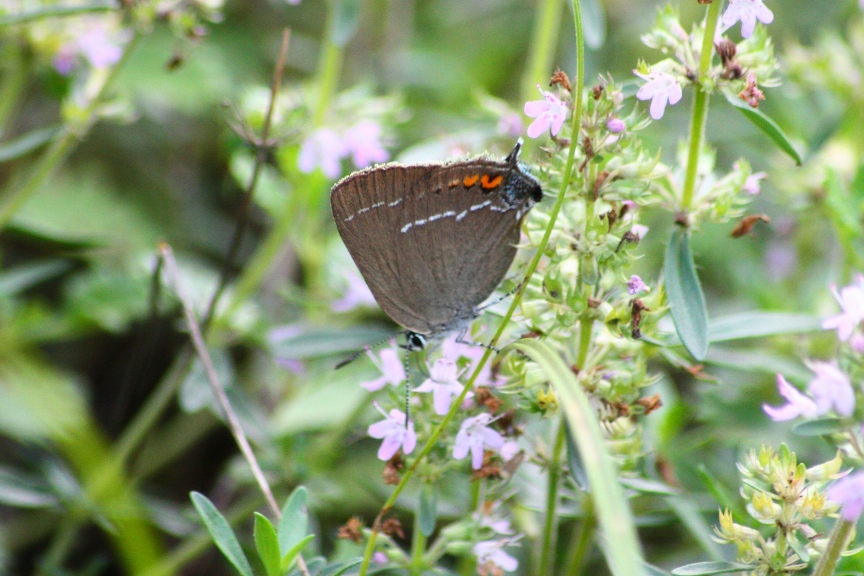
[(20, 278), (622, 550), (27, 142), (655, 571), (684, 292), (701, 568), (428, 510), (692, 518), (799, 547), (761, 324), (766, 125), (24, 490), (346, 16), (724, 498), (649, 486), (822, 427), (222, 533), (574, 462), (268, 545), (339, 568), (292, 553), (295, 519)]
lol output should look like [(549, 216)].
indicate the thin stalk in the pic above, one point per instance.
[(700, 107), (840, 538), (61, 145), (541, 248), (550, 526), (544, 41), (260, 160), (56, 12), (582, 539), (61, 543)]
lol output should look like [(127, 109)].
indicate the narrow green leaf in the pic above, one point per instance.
[(684, 292), (346, 16), (27, 142), (648, 486), (291, 554), (655, 571), (766, 125), (268, 545), (725, 498), (799, 547), (20, 278), (340, 568), (622, 550), (222, 533), (295, 520), (822, 427), (428, 510), (695, 523), (701, 568), (760, 324)]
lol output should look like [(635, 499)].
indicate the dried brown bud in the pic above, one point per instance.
[(746, 224), (351, 530)]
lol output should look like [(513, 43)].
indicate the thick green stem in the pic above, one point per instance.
[(550, 526), (418, 547), (840, 537), (700, 107), (576, 123), (544, 40)]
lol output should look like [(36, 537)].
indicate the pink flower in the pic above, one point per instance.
[(857, 341), (356, 294), (799, 404), (615, 125), (395, 432), (661, 88), (751, 185), (475, 435), (849, 493), (831, 389), (636, 285), (510, 124), (747, 11), (363, 142), (454, 350), (390, 366), (639, 230), (509, 450), (444, 384), (549, 113), (64, 59), (98, 48), (491, 558), (322, 149), (851, 300)]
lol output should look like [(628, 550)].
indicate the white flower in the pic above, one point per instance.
[(473, 436), (395, 432), (444, 383), (747, 11), (661, 88)]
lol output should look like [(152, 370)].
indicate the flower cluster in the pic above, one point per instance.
[(325, 148), (786, 497), (475, 435), (829, 390)]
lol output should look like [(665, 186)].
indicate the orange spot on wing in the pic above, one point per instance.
[(453, 183), (469, 181), (490, 183)]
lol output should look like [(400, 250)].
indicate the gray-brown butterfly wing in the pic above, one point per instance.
[(433, 241)]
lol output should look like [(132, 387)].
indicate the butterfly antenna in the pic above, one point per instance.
[(360, 352)]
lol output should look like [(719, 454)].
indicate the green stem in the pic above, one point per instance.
[(61, 543), (840, 538), (60, 147), (329, 65), (576, 123), (544, 41), (700, 107), (57, 11), (550, 526), (582, 539), (14, 80), (418, 546)]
